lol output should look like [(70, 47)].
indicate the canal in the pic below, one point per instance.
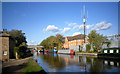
[(52, 62)]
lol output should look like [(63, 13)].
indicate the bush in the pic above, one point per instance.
[(95, 49), (91, 51), (22, 51), (88, 47)]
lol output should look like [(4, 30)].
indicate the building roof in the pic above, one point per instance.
[(4, 35), (79, 36)]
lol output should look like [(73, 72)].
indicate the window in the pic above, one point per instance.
[(117, 51), (111, 51), (4, 52), (105, 51)]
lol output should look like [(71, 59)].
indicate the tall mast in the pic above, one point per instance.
[(84, 21)]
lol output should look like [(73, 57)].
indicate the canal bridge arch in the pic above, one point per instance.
[(35, 47)]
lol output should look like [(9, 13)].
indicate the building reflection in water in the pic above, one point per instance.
[(74, 63)]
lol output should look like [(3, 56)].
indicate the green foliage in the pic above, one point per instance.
[(91, 51), (108, 43), (20, 42), (88, 47), (18, 37), (22, 51), (52, 42), (95, 49), (96, 39)]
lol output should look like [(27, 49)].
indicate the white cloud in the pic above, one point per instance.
[(31, 42), (81, 27), (71, 24), (89, 26), (76, 26), (66, 30), (51, 29), (106, 26), (102, 26), (76, 33)]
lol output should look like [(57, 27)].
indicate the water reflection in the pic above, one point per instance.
[(74, 63)]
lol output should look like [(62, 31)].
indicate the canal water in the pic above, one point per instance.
[(52, 62)]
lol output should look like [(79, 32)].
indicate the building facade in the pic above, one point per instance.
[(73, 41), (4, 47)]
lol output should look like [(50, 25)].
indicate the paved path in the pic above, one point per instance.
[(15, 66)]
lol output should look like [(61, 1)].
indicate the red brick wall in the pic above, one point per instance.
[(68, 44)]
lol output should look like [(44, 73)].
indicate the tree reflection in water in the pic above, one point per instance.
[(74, 63)]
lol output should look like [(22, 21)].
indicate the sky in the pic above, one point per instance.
[(39, 20)]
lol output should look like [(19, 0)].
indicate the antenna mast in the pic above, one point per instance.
[(84, 20)]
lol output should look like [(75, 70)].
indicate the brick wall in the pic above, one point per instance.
[(73, 43)]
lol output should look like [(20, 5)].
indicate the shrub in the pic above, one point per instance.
[(95, 49), (22, 51)]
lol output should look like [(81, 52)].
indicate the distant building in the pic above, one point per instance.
[(115, 41), (73, 41), (7, 46)]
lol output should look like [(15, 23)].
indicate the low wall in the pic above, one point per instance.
[(114, 56), (90, 54)]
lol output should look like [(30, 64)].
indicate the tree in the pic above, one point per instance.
[(53, 41), (59, 39), (92, 37), (18, 36), (20, 42), (96, 39), (88, 47)]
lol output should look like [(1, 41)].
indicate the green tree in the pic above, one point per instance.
[(18, 36), (59, 39), (88, 47), (20, 42), (96, 39), (53, 41)]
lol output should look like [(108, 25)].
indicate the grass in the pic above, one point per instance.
[(32, 66), (27, 67)]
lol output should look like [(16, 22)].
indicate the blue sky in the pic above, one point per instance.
[(39, 20)]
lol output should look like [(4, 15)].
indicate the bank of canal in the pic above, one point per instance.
[(52, 62), (26, 65)]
